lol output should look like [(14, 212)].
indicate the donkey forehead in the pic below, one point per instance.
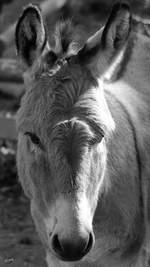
[(53, 99)]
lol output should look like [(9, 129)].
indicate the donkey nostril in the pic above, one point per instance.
[(56, 245), (90, 243)]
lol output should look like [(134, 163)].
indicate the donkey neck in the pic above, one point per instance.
[(132, 87), (137, 71), (133, 64)]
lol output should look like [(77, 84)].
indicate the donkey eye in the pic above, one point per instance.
[(96, 140), (51, 58), (34, 138)]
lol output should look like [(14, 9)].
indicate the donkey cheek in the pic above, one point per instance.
[(39, 222)]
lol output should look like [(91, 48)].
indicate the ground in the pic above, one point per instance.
[(19, 243)]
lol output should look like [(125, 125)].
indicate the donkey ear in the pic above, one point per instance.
[(30, 35), (117, 27), (101, 48)]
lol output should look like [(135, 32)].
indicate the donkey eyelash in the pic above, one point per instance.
[(34, 138), (96, 140)]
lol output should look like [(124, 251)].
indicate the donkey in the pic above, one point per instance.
[(84, 140)]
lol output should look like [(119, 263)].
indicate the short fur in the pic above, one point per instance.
[(84, 144)]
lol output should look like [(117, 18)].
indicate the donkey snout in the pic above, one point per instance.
[(72, 248)]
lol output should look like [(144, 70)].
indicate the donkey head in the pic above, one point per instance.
[(64, 124)]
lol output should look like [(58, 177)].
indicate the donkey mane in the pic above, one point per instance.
[(69, 38)]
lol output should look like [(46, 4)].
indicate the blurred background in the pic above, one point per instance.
[(19, 243)]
